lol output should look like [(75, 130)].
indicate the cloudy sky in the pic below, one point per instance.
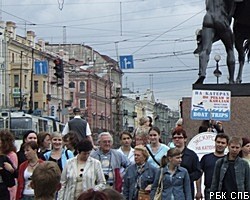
[(160, 34)]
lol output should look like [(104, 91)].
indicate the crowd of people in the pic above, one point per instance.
[(73, 167)]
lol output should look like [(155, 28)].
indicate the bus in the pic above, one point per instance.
[(19, 123)]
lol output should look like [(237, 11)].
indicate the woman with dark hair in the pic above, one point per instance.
[(8, 148), (112, 194), (81, 173), (126, 149), (93, 195), (27, 137), (24, 190), (70, 141), (175, 179), (8, 164), (150, 121), (44, 142), (155, 148)]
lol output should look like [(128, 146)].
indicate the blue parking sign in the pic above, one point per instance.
[(126, 62)]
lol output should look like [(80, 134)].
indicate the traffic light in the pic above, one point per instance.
[(58, 68), (52, 111)]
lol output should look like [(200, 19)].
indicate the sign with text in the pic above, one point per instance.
[(203, 143), (211, 104)]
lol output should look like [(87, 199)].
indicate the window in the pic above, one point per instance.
[(13, 57), (71, 96), (82, 87), (35, 105), (71, 84), (44, 87), (16, 80), (16, 102), (1, 48), (82, 103), (36, 86), (25, 81)]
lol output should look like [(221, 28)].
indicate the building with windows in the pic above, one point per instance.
[(94, 80), (27, 82)]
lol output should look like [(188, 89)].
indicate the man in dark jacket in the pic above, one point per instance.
[(231, 177), (208, 163)]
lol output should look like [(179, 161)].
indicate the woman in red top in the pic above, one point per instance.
[(24, 190)]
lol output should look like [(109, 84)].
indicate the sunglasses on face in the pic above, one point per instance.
[(178, 137)]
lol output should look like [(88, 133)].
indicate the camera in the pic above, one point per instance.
[(106, 176)]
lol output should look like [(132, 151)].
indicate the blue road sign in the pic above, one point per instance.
[(41, 67), (126, 62)]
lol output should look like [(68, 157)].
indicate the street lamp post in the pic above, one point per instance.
[(217, 72), (125, 117), (126, 123), (94, 120)]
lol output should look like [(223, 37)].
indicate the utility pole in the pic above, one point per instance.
[(64, 35), (31, 85), (118, 109), (20, 86), (1, 8), (121, 17)]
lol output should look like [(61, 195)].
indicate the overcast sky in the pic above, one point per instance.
[(160, 34)]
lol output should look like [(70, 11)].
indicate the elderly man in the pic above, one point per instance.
[(111, 160)]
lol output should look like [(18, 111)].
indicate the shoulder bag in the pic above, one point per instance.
[(150, 153), (158, 193)]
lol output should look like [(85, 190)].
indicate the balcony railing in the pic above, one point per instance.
[(16, 92)]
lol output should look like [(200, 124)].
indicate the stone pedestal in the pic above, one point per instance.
[(239, 125)]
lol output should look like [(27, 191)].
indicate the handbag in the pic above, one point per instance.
[(118, 180), (159, 189), (143, 195), (7, 177)]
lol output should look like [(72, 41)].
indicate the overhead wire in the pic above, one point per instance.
[(167, 31), (151, 41)]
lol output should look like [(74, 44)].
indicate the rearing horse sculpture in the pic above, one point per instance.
[(241, 13), (216, 25), (241, 29)]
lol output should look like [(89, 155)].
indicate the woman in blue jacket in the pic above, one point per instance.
[(58, 154), (176, 184), (138, 176)]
